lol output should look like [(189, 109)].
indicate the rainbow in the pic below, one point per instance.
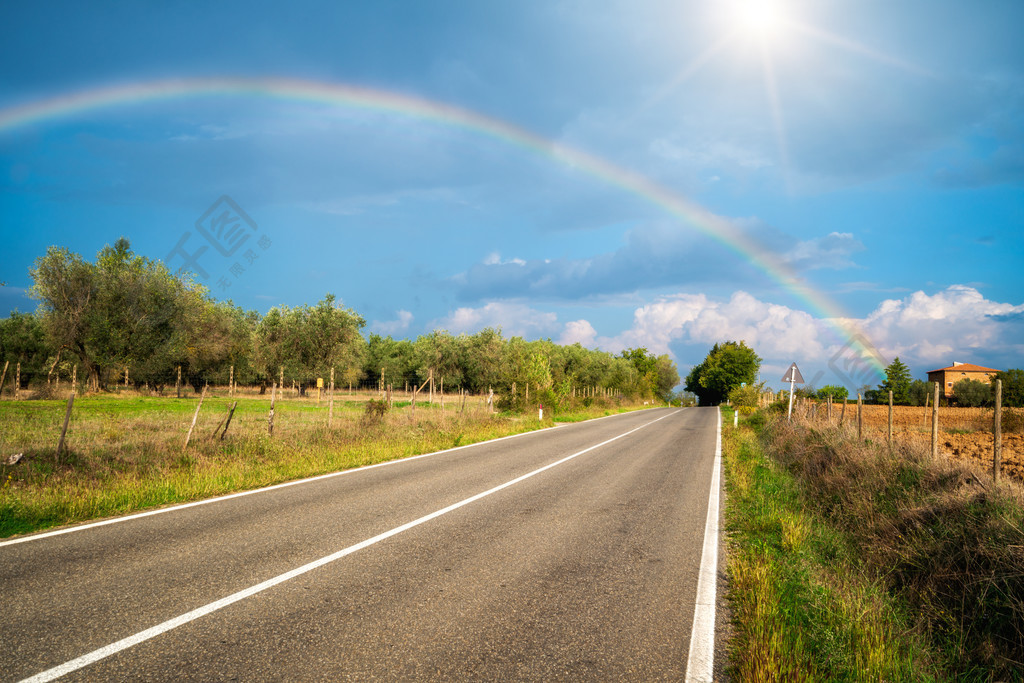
[(336, 94)]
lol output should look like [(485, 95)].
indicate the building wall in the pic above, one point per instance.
[(951, 376)]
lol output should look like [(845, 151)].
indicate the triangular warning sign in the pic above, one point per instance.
[(793, 375)]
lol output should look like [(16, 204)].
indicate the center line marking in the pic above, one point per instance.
[(170, 624)]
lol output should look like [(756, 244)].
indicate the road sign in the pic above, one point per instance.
[(793, 375)]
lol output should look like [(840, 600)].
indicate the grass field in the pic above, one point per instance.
[(126, 452)]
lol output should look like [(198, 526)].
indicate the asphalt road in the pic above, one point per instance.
[(586, 570)]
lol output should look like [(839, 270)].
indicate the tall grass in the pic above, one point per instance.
[(930, 544), (802, 608), (127, 453)]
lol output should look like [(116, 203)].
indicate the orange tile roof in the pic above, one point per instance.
[(965, 367)]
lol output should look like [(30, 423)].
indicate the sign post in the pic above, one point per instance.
[(792, 376)]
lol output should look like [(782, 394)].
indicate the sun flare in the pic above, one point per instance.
[(761, 18)]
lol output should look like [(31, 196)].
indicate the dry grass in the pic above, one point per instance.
[(126, 452)]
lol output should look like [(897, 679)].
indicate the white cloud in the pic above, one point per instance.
[(771, 329), (926, 331), (958, 321), (579, 331), (393, 327), (494, 259), (513, 319)]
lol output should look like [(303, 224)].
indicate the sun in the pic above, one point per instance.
[(762, 19)]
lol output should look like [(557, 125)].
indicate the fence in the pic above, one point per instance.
[(991, 437)]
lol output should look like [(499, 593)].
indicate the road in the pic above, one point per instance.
[(567, 554)]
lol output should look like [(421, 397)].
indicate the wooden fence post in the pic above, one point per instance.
[(280, 379), (67, 418), (273, 400), (330, 408), (74, 377), (935, 421), (177, 384), (442, 395), (17, 381), (194, 418), (890, 419), (231, 382), (228, 424), (860, 417), (225, 422), (997, 432), (3, 376)]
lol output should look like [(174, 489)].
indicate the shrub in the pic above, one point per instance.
[(746, 397), (971, 393), (373, 413)]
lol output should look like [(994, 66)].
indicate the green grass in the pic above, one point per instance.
[(126, 453), (802, 607), (852, 561)]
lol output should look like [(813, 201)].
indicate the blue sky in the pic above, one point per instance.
[(875, 148)]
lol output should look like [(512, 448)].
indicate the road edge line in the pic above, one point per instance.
[(701, 659)]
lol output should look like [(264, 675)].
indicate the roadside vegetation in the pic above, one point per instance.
[(852, 562), (126, 453)]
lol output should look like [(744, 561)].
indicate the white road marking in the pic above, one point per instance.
[(207, 501), (142, 636), (700, 663)]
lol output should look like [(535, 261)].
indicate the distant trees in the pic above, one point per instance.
[(836, 392), (897, 380), (22, 341), (727, 366), (124, 311), (919, 392), (121, 310), (305, 342), (657, 372), (1013, 387)]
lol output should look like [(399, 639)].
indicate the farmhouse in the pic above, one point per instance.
[(947, 377)]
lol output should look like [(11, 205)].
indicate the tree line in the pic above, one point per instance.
[(125, 313), (906, 391)]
